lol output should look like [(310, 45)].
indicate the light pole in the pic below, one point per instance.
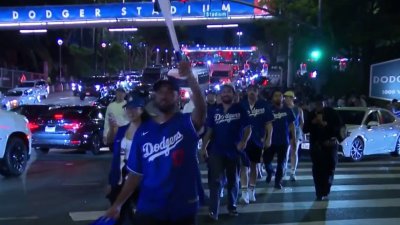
[(129, 57), (60, 43), (158, 56), (104, 45), (239, 34), (166, 56)]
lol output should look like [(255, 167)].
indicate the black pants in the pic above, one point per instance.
[(324, 160), (150, 220), (281, 151), (126, 215)]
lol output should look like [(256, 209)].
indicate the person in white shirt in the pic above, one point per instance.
[(115, 117)]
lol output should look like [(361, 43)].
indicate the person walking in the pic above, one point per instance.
[(325, 128), (163, 159), (229, 129), (115, 117), (260, 117), (283, 129), (122, 145), (298, 124)]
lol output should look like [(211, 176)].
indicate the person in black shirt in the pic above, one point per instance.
[(324, 126)]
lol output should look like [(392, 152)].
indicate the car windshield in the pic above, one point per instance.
[(27, 84), (13, 93), (352, 117)]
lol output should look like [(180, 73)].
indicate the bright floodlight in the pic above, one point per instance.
[(239, 33), (316, 54), (103, 45), (60, 42)]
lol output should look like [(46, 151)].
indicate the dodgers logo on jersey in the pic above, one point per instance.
[(220, 118), (255, 112), (152, 151), (281, 115)]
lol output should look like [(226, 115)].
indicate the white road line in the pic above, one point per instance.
[(86, 216), (335, 188), (311, 205), (386, 221), (19, 218), (341, 177), (342, 169)]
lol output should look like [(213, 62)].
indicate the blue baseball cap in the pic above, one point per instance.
[(135, 102)]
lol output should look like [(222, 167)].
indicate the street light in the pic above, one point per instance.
[(158, 56), (166, 56), (239, 34), (60, 43), (104, 45)]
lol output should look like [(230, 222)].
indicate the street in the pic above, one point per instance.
[(66, 98), (68, 188)]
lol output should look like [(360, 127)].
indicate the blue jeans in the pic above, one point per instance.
[(218, 167)]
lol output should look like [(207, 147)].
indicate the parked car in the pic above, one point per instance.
[(15, 143), (19, 96), (39, 87), (90, 86), (369, 131), (69, 127)]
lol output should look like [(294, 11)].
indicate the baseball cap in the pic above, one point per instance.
[(135, 102), (289, 94), (165, 83), (228, 86), (120, 89)]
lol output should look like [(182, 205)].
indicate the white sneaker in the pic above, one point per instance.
[(245, 197), (252, 195)]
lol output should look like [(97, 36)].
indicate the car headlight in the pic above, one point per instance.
[(79, 87), (97, 87)]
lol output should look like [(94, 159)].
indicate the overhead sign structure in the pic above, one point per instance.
[(385, 80), (141, 12)]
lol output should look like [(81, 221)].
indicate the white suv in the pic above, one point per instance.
[(15, 143)]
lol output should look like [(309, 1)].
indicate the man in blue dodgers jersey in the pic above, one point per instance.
[(163, 159), (229, 131), (260, 117), (283, 128)]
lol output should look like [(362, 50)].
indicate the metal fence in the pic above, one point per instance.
[(10, 78)]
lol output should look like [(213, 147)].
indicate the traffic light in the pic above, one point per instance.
[(315, 54)]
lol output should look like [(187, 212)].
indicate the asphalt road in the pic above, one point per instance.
[(68, 188)]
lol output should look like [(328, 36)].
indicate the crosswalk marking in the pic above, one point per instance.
[(290, 206), (345, 169), (372, 197), (335, 188)]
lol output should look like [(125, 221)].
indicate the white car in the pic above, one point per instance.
[(19, 96), (15, 143), (369, 131), (39, 87)]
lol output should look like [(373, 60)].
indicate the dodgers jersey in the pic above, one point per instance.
[(283, 117), (259, 115), (227, 128), (166, 156)]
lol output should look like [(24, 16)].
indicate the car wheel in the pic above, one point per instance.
[(95, 145), (396, 151), (15, 158), (357, 149)]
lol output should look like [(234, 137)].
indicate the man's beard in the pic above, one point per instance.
[(166, 108), (227, 100)]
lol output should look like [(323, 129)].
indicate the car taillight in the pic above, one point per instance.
[(72, 126), (184, 94), (32, 126), (58, 116)]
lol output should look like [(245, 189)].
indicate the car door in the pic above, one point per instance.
[(390, 133), (373, 134)]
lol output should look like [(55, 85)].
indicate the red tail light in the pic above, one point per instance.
[(32, 126), (72, 126), (58, 116)]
